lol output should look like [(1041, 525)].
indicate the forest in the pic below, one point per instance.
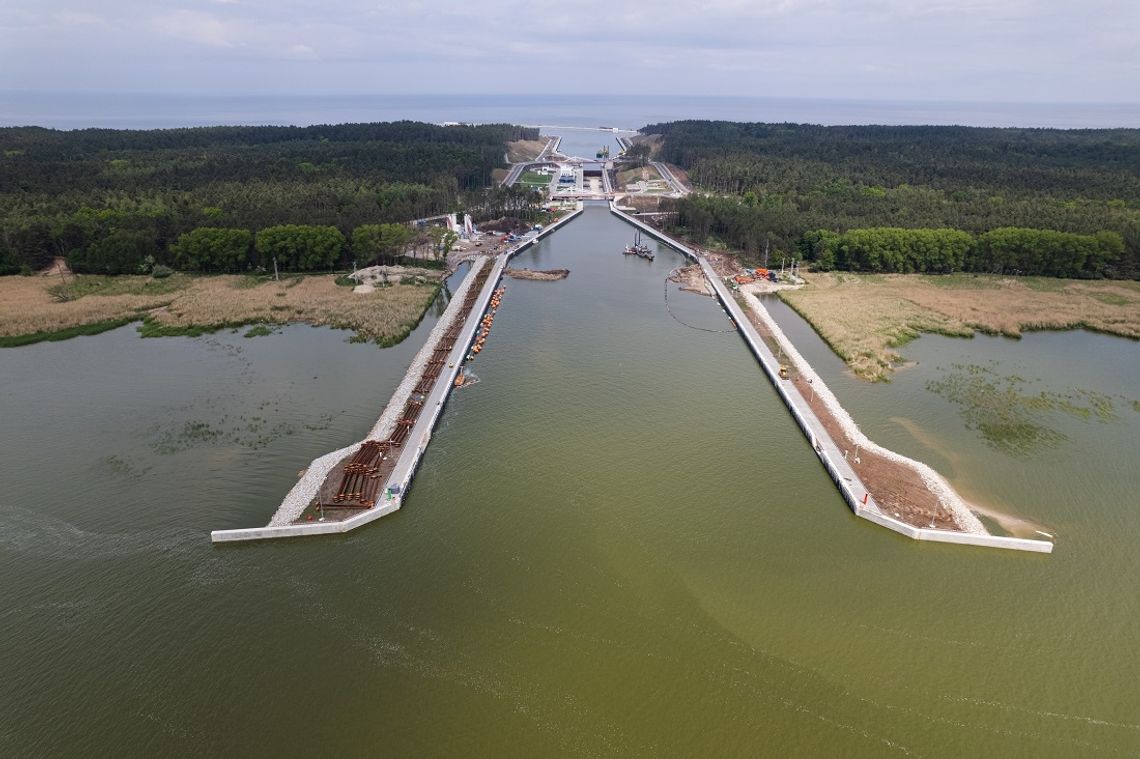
[(803, 190), (124, 201)]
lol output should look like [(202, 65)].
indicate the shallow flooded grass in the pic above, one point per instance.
[(1010, 416)]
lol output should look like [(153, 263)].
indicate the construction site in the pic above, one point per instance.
[(363, 482)]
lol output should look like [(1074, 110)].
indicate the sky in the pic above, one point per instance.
[(1049, 51)]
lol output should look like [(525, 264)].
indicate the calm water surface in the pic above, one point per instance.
[(62, 110), (584, 143), (618, 545)]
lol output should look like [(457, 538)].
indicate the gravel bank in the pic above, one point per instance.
[(535, 274), (937, 484)]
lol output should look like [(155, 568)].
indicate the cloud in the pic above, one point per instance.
[(303, 51), (202, 28), (78, 18), (952, 49)]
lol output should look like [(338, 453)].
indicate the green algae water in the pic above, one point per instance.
[(618, 544)]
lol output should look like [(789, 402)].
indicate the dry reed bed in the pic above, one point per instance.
[(865, 317), (27, 306), (381, 315)]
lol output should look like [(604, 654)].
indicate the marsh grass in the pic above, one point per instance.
[(193, 306), (75, 288), (95, 328), (864, 318)]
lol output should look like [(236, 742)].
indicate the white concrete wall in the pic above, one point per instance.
[(420, 435), (846, 479)]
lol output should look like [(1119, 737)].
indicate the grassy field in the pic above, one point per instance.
[(865, 317), (33, 308), (533, 177)]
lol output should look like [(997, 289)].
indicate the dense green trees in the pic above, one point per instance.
[(10, 263), (214, 249), (123, 251), (1045, 252), (637, 155), (889, 249), (379, 243), (1000, 251), (67, 193), (298, 247), (777, 182)]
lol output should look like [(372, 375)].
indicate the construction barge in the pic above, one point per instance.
[(638, 248)]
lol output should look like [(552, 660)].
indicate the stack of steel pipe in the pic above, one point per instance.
[(374, 461)]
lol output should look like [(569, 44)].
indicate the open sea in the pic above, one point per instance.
[(156, 111)]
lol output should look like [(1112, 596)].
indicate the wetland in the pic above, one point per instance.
[(618, 544)]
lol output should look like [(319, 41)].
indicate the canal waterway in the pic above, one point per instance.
[(618, 544), (584, 143)]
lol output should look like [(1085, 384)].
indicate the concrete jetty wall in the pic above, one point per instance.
[(850, 485), (418, 439)]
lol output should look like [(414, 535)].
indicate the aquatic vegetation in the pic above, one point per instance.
[(121, 467), (259, 330), (191, 434), (1007, 413)]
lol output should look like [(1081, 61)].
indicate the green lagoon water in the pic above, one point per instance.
[(618, 544)]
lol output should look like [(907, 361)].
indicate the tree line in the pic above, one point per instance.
[(285, 247), (107, 198), (1007, 250), (777, 182)]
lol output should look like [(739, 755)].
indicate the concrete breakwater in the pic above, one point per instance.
[(834, 458), (395, 486)]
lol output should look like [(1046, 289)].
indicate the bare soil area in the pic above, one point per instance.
[(525, 150), (691, 279)]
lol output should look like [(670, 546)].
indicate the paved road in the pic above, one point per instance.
[(667, 175), (517, 169), (514, 174)]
